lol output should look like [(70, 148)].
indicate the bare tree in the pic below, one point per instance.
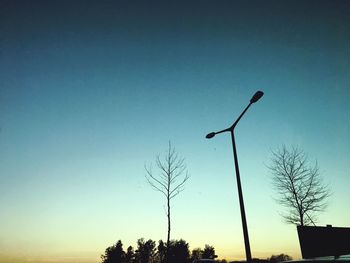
[(170, 180), (299, 186)]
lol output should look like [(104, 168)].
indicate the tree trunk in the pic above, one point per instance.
[(168, 238), (301, 219)]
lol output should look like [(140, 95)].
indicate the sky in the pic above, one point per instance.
[(92, 91)]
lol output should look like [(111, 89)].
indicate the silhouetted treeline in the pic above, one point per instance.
[(149, 252), (272, 259)]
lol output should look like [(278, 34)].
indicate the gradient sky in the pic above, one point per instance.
[(90, 92)]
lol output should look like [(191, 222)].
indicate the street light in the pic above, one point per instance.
[(254, 99)]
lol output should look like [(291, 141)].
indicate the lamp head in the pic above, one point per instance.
[(256, 96), (210, 135)]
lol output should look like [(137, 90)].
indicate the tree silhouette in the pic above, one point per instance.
[(130, 255), (114, 254), (299, 185), (178, 251), (209, 252), (161, 252), (196, 254), (170, 181), (145, 252), (279, 258)]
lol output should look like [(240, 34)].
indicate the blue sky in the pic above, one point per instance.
[(90, 92)]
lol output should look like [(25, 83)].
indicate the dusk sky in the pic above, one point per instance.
[(91, 91)]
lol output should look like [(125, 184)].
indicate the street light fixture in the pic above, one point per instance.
[(254, 99)]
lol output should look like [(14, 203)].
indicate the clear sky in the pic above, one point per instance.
[(92, 91)]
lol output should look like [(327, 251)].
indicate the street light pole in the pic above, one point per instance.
[(241, 203), (254, 99)]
